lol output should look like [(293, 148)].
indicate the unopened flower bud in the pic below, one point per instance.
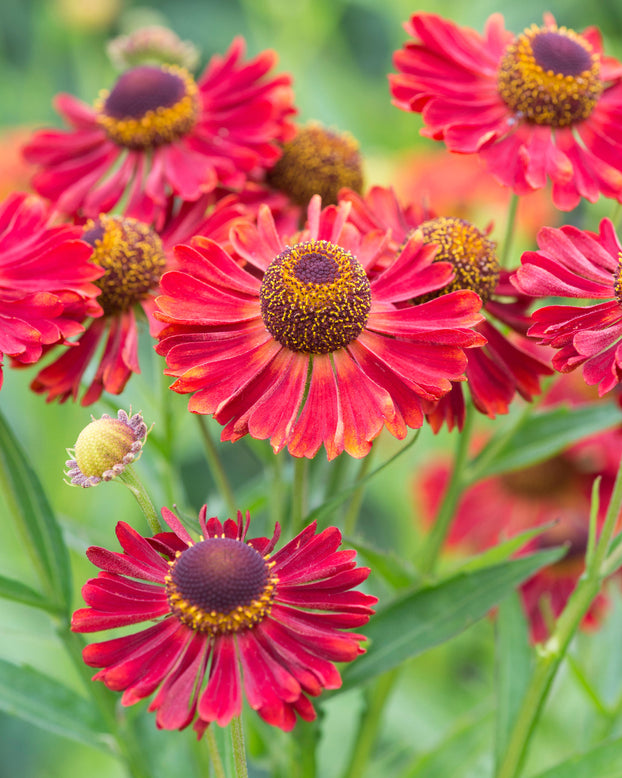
[(105, 447), (152, 45)]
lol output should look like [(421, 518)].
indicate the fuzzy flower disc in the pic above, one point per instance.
[(468, 250), (318, 161), (315, 297), (132, 255), (223, 619), (551, 76), (220, 585), (149, 106)]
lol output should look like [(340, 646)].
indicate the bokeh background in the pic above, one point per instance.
[(339, 53)]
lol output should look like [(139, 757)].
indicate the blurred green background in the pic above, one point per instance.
[(339, 54)]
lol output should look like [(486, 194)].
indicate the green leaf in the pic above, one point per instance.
[(34, 516), (540, 436), (455, 755), (604, 761), (504, 550), (419, 620), (513, 667), (46, 703), (19, 592), (395, 571)]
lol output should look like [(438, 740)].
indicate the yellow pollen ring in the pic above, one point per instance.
[(132, 255), (213, 622), (471, 254), (318, 161), (545, 96), (156, 127), (315, 297)]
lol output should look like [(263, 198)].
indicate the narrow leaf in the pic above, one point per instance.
[(19, 592), (513, 667), (457, 752), (543, 435), (419, 620), (46, 703), (395, 571), (504, 550), (604, 761), (34, 516)]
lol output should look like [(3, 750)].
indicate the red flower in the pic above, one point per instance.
[(544, 104), (230, 617), (300, 346), (503, 367), (157, 133), (573, 263), (134, 256), (46, 280), (556, 491)]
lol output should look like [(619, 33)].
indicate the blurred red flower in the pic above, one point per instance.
[(546, 104)]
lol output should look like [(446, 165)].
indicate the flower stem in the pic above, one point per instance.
[(554, 650), (239, 749), (455, 487), (133, 483), (354, 508), (219, 769), (170, 476), (336, 475), (509, 231), (303, 753), (216, 466), (370, 721), (299, 495), (277, 490), (586, 686)]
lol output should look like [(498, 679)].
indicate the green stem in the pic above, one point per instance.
[(611, 720), (277, 490), (216, 466), (592, 538), (219, 769), (370, 721), (336, 475), (435, 539), (303, 753), (509, 231), (239, 749), (133, 483), (166, 412), (170, 476), (554, 650), (587, 687), (299, 495), (354, 508)]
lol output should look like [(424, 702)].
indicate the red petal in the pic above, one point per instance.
[(222, 698)]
